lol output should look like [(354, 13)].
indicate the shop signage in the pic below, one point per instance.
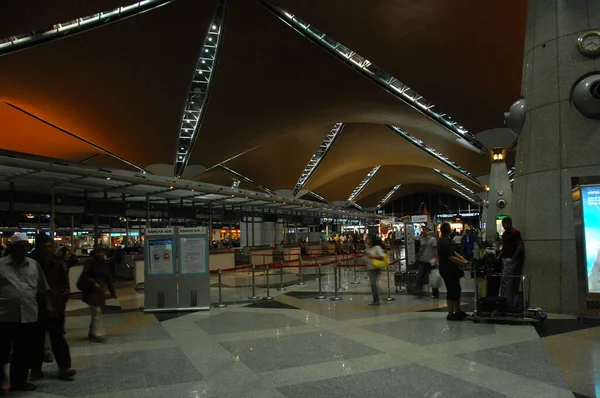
[(159, 231), (420, 219)]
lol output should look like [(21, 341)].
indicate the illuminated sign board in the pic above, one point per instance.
[(590, 201)]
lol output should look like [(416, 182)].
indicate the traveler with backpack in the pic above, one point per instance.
[(376, 261)]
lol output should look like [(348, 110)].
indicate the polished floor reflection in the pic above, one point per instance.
[(297, 346)]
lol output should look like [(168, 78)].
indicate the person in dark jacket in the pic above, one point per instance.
[(93, 282), (52, 322)]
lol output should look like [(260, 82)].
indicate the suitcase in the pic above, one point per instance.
[(493, 282), (491, 304), (399, 278)]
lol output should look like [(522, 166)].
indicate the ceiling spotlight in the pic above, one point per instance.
[(108, 178), (214, 26), (170, 187)]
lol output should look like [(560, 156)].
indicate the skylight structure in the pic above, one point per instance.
[(244, 178), (61, 30), (433, 152), (464, 195), (363, 184), (199, 91), (454, 181), (388, 196), (375, 73), (318, 157)]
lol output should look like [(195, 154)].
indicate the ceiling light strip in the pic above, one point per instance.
[(199, 91), (375, 73), (62, 30), (248, 180), (388, 196), (363, 184), (464, 195), (359, 207), (454, 181), (316, 195), (318, 157), (433, 152)]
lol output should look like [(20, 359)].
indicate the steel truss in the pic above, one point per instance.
[(464, 195), (62, 30), (433, 152), (318, 157), (454, 181), (363, 184), (388, 196), (375, 73), (199, 91)]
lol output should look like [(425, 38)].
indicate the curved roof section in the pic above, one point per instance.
[(275, 96), (121, 86), (374, 199), (465, 56)]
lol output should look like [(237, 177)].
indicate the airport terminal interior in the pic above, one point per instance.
[(300, 198)]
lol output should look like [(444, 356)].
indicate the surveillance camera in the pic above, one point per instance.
[(501, 203), (515, 117), (585, 95)]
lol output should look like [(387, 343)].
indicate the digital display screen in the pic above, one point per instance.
[(590, 201)]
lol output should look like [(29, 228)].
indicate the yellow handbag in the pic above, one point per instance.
[(380, 263)]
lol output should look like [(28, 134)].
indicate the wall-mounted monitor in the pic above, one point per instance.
[(590, 206)]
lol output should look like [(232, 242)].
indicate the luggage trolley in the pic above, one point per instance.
[(490, 307)]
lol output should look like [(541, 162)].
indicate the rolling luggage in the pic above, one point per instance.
[(493, 282)]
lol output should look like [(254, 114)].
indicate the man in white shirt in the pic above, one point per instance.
[(21, 281)]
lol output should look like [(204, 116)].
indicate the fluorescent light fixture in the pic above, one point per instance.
[(388, 196), (368, 69), (363, 184), (318, 157)]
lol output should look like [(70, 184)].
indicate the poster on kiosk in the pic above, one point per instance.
[(590, 205), (194, 275), (160, 285)]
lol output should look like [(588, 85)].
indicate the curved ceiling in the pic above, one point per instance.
[(121, 86), (374, 199), (275, 95), (466, 56)]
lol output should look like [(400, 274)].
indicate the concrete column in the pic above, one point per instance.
[(557, 143), (499, 188)]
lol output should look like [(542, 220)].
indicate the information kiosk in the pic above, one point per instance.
[(194, 276), (160, 285)]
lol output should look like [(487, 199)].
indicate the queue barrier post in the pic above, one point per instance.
[(336, 270), (320, 295), (389, 296), (301, 283), (254, 296), (281, 288), (268, 296), (355, 281), (220, 304)]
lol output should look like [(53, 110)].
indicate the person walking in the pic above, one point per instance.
[(375, 251), (52, 324), (93, 282), (427, 260), (451, 273), (21, 281)]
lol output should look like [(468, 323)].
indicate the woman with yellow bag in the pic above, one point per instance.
[(377, 260)]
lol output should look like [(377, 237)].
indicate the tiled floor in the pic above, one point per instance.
[(298, 346)]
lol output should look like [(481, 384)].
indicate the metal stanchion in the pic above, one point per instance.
[(220, 303), (300, 270), (335, 272), (281, 288), (254, 296), (268, 297), (355, 281), (320, 295), (389, 297)]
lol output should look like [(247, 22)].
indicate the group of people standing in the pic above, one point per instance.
[(442, 255), (34, 290)]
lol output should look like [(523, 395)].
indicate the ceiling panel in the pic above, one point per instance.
[(466, 56), (374, 199), (121, 86), (22, 133), (364, 146), (270, 81)]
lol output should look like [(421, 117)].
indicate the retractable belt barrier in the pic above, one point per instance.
[(336, 263)]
